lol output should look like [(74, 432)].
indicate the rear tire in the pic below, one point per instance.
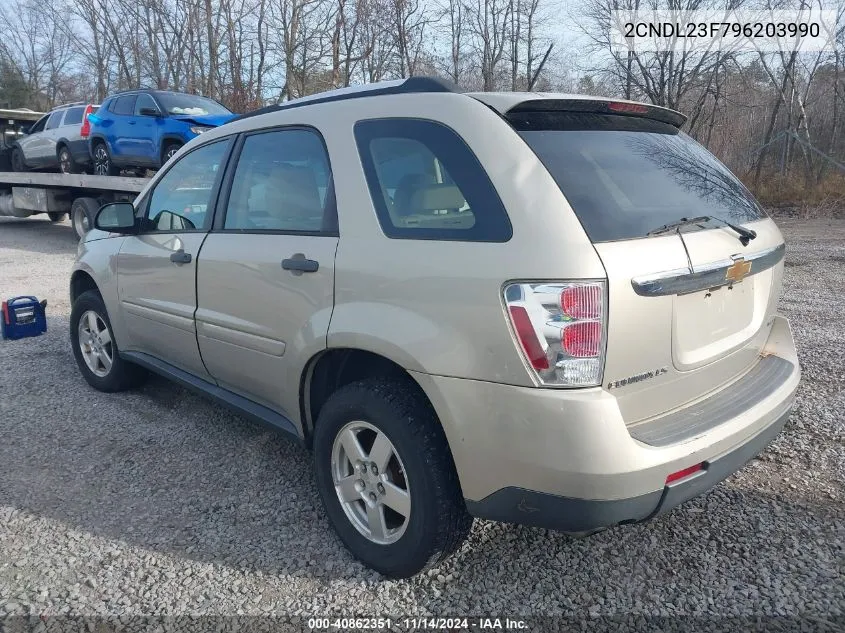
[(103, 165), (18, 163), (66, 163), (436, 520), (82, 214), (95, 349), (56, 217)]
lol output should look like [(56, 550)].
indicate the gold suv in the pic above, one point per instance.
[(546, 309)]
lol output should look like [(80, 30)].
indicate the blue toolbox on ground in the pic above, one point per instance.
[(23, 316)]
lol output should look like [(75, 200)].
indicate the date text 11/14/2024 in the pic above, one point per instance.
[(417, 624)]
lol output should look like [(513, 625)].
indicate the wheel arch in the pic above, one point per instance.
[(168, 138), (81, 281), (331, 369)]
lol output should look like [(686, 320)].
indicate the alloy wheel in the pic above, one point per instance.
[(101, 161), (64, 161), (95, 343), (370, 482)]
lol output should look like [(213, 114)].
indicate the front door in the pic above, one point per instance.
[(266, 273), (157, 268)]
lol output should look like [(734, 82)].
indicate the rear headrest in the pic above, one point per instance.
[(437, 197), (296, 185)]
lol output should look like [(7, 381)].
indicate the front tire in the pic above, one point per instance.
[(386, 476), (103, 165), (95, 349), (169, 151)]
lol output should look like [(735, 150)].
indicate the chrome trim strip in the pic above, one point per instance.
[(682, 281)]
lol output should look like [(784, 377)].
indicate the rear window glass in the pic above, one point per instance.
[(425, 183), (625, 176), (73, 115)]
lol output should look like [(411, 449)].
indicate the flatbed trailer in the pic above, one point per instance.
[(23, 194)]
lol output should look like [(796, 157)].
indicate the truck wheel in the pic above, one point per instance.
[(386, 476), (95, 349), (103, 165), (18, 163), (66, 163), (56, 217), (82, 214), (169, 150)]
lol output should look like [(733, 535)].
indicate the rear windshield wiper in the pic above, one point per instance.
[(745, 235)]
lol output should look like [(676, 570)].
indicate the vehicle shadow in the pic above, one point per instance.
[(36, 234), (162, 469)]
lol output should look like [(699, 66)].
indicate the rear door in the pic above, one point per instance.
[(683, 313), (121, 135), (266, 272), (157, 268)]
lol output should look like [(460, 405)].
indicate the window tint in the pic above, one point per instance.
[(625, 176), (145, 101), (282, 183), (124, 104), (73, 116), (54, 119), (180, 200), (39, 125), (425, 183)]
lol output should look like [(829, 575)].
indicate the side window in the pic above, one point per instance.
[(426, 183), (180, 201), (144, 101), (39, 125), (282, 183), (73, 116), (124, 105), (54, 119)]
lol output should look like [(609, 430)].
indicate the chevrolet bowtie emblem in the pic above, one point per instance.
[(738, 270)]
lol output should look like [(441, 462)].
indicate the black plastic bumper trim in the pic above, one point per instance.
[(567, 514)]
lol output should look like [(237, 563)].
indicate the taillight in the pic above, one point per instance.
[(86, 124), (560, 328), (581, 302)]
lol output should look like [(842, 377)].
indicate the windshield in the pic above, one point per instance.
[(190, 104), (625, 176)]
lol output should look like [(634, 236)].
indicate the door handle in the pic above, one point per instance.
[(298, 264), (180, 257)]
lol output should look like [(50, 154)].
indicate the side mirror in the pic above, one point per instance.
[(150, 112), (116, 217)]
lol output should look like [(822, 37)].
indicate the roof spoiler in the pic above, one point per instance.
[(600, 106)]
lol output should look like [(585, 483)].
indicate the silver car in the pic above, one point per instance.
[(546, 309), (57, 141)]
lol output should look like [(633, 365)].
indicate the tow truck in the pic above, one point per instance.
[(24, 194)]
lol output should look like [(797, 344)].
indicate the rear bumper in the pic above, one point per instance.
[(566, 459), (529, 507)]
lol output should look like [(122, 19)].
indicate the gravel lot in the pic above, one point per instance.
[(158, 502)]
